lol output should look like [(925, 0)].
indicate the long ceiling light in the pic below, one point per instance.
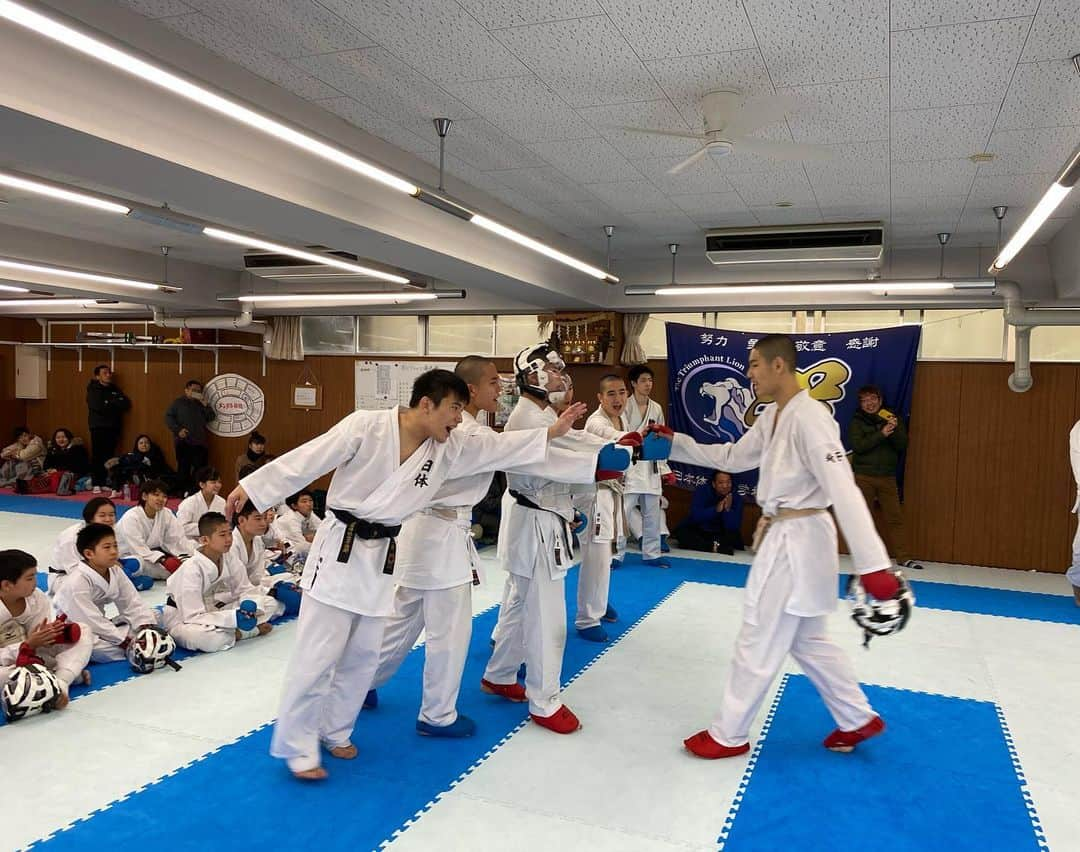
[(1061, 187), (47, 303), (53, 191), (885, 287), (58, 272), (301, 254), (8, 288), (150, 73), (389, 298)]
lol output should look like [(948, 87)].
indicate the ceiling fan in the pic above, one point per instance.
[(729, 119)]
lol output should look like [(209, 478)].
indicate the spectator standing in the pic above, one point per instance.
[(715, 521), (187, 418), (106, 404)]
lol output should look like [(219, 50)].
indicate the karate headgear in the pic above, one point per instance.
[(532, 377), (880, 617), (30, 690), (151, 648)]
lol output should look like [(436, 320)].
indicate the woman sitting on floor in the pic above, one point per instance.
[(145, 461), (67, 462), (21, 461)]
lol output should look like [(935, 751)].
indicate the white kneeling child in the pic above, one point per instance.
[(151, 533), (206, 499), (212, 605), (66, 558), (263, 572), (297, 523)]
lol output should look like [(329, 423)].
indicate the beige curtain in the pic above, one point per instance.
[(286, 342), (633, 327)]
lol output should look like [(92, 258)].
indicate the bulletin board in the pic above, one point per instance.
[(384, 384)]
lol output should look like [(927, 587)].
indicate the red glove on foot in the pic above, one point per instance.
[(662, 430), (170, 563), (668, 479), (630, 439), (881, 584), (71, 634), (27, 655)]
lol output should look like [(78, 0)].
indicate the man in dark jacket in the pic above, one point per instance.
[(187, 418), (715, 521), (877, 438), (106, 404)]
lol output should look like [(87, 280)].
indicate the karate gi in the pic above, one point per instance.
[(536, 549), (83, 597), (792, 585), (345, 604), (256, 561), (291, 527), (65, 559), (1074, 456), (65, 661), (643, 484), (437, 565), (149, 539), (200, 612), (192, 508)]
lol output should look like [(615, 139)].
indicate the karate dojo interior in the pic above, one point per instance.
[(267, 190)]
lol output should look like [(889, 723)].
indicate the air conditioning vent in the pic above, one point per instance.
[(858, 242)]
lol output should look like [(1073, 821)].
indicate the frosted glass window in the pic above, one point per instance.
[(860, 320), (514, 333), (395, 335), (460, 335), (654, 338), (775, 322), (329, 335), (1056, 342), (963, 334)]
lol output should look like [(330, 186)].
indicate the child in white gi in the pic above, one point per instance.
[(793, 578), (66, 557), (151, 533), (1074, 455), (29, 633), (96, 582), (297, 524), (645, 480), (206, 499)]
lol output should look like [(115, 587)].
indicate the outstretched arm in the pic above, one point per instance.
[(744, 454)]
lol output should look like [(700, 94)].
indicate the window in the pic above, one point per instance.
[(1055, 342), (964, 334), (394, 335), (514, 333), (460, 335), (654, 338), (329, 335), (769, 322), (860, 320)]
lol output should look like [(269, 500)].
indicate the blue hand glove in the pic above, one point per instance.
[(611, 457), (277, 568), (245, 615), (581, 521), (289, 595), (131, 566), (654, 447)]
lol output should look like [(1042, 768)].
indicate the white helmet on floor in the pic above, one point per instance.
[(880, 617), (532, 366), (30, 690), (151, 648)]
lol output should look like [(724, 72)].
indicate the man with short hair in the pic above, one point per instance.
[(187, 418), (645, 480), (105, 404), (715, 521)]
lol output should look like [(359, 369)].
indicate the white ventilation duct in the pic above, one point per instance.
[(239, 322), (1023, 320)]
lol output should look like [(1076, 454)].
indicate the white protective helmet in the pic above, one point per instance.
[(151, 648), (532, 376), (880, 617), (30, 690)]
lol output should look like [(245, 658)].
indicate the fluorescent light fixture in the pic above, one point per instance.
[(8, 288), (885, 287), (40, 188), (47, 303), (530, 243), (389, 298), (81, 276), (1065, 181), (104, 52), (301, 254)]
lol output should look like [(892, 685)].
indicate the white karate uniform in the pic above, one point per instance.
[(83, 598), (536, 548), (1074, 456), (292, 528), (345, 604), (256, 561), (200, 612), (65, 661), (149, 539), (793, 579), (65, 558), (643, 484), (192, 508), (633, 518)]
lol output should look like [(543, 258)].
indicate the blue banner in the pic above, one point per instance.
[(710, 397)]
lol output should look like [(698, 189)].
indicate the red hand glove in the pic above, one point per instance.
[(170, 563), (881, 584), (27, 656), (668, 479), (630, 439), (71, 634), (662, 430), (603, 475)]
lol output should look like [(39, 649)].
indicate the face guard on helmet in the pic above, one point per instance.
[(878, 617), (30, 690), (539, 371), (151, 648)]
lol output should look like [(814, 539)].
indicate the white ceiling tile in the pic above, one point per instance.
[(926, 177), (912, 14), (586, 60), (701, 177), (499, 14), (523, 204), (158, 8), (938, 208), (855, 212), (922, 235), (667, 226), (709, 208), (587, 160), (851, 164), (743, 161), (632, 196), (590, 216), (821, 41), (523, 107), (1055, 34), (762, 189), (1040, 149), (804, 214), (870, 195), (979, 219), (1042, 94), (956, 64), (487, 148), (1014, 190), (462, 171), (286, 27), (655, 115), (686, 79), (830, 113), (941, 133), (544, 184), (681, 27), (226, 43), (368, 119), (437, 37)]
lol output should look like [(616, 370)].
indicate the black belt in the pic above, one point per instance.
[(522, 500), (369, 530), (170, 602), (56, 571)]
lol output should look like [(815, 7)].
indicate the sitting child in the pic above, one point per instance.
[(249, 550), (65, 558), (29, 635), (298, 523), (99, 580), (204, 500), (212, 605), (150, 533)]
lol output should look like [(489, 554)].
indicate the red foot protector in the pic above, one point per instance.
[(510, 691), (703, 745), (845, 741), (562, 721)]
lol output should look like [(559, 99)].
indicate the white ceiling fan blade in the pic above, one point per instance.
[(678, 134), (781, 150), (758, 112), (689, 161)]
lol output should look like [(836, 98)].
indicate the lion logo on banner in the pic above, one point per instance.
[(825, 381)]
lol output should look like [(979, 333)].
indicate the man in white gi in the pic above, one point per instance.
[(437, 566), (389, 464), (536, 549), (1074, 456), (645, 480), (793, 579)]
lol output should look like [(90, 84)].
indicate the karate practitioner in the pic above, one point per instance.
[(248, 549), (1074, 455), (206, 499), (435, 594), (66, 558), (389, 464), (793, 579), (297, 523), (645, 480), (150, 533)]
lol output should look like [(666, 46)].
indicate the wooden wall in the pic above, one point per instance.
[(988, 478)]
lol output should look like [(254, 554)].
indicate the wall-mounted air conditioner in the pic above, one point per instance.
[(856, 242)]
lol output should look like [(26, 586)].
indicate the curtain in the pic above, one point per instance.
[(633, 327), (286, 342)]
